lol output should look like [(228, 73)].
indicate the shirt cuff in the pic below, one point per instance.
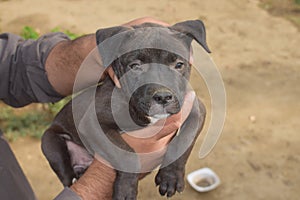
[(67, 194)]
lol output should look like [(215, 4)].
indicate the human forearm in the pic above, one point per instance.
[(66, 58), (23, 76), (64, 61), (96, 182)]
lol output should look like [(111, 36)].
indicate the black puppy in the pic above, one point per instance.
[(147, 103)]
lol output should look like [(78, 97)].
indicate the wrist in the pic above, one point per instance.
[(96, 182)]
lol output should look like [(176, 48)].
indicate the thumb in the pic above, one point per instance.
[(113, 76), (188, 104)]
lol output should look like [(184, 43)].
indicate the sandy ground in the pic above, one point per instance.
[(259, 58)]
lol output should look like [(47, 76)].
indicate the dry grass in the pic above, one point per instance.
[(289, 9)]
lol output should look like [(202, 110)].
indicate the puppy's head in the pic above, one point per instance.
[(154, 67)]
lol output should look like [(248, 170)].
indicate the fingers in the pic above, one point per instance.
[(109, 70), (113, 76), (180, 117), (145, 20), (167, 126), (174, 122), (187, 104), (191, 61)]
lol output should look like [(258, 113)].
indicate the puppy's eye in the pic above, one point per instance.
[(135, 65), (179, 65)]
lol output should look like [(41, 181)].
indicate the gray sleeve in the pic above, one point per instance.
[(67, 194), (23, 78)]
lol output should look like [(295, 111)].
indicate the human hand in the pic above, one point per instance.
[(151, 142), (97, 181), (158, 135), (145, 20)]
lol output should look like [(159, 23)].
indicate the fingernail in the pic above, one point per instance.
[(191, 94), (117, 83)]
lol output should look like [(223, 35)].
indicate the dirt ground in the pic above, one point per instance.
[(258, 56)]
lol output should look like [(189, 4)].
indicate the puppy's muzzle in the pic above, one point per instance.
[(163, 97)]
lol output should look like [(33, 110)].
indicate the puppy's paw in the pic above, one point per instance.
[(169, 181), (125, 189), (125, 192)]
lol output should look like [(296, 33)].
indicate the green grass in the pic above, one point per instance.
[(31, 120), (71, 35), (31, 123), (34, 119), (29, 32), (54, 108)]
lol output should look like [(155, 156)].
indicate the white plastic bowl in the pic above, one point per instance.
[(203, 180)]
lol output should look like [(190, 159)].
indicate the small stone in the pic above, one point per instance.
[(252, 118)]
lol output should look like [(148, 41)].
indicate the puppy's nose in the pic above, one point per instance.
[(163, 97)]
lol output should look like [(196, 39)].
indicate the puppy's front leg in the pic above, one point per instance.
[(170, 178), (126, 184), (55, 149)]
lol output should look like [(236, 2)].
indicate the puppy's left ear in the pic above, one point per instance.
[(108, 53), (103, 34), (194, 29)]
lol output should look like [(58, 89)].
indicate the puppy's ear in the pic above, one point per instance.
[(103, 34), (194, 29)]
